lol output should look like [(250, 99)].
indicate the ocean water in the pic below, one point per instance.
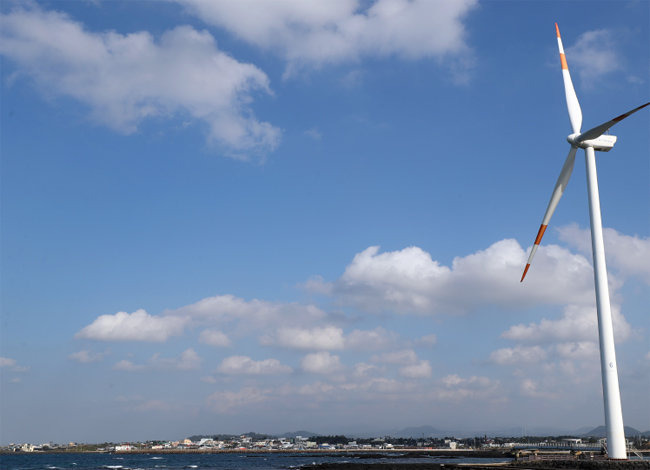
[(190, 461)]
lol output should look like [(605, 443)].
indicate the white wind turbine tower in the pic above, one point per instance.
[(591, 140)]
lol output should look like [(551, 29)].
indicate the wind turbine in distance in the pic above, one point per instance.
[(592, 140)]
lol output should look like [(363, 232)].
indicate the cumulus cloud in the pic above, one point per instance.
[(222, 310), (85, 357), (577, 350), (410, 281), (329, 338), (531, 388), (137, 326), (214, 338), (420, 370), (593, 56), (380, 385), (321, 363), (245, 365), (518, 355), (320, 338), (231, 401), (12, 365), (378, 338), (252, 314), (314, 133), (363, 369), (428, 340), (127, 78), (456, 388), (318, 33), (578, 323), (7, 362), (628, 255), (402, 357), (188, 360), (128, 366)]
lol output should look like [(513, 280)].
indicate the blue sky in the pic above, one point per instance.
[(271, 216)]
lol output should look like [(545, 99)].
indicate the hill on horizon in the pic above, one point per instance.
[(601, 431)]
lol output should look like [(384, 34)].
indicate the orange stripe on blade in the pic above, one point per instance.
[(540, 234), (564, 64), (525, 271), (557, 30)]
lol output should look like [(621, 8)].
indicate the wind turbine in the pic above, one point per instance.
[(592, 140)]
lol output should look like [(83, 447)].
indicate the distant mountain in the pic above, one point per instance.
[(601, 431), (582, 431)]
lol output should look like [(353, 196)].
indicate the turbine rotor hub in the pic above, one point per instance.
[(572, 139)]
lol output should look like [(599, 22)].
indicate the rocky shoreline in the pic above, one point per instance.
[(514, 465)]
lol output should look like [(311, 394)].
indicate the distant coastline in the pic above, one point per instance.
[(477, 453)]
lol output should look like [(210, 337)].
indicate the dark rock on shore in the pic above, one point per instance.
[(584, 464), (539, 465)]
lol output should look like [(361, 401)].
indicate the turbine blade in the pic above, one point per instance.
[(560, 185), (575, 113), (600, 130)]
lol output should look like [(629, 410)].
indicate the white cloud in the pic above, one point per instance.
[(628, 255), (86, 357), (317, 285), (403, 357), (531, 388), (421, 370), (214, 338), (380, 385), (578, 323), (577, 350), (253, 314), (518, 355), (409, 281), (323, 338), (125, 79), (428, 340), (363, 369), (230, 401), (456, 388), (321, 363), (379, 338), (314, 133), (315, 389), (317, 33), (329, 338), (12, 364), (128, 366), (137, 326), (246, 365), (188, 360), (7, 362), (593, 56)]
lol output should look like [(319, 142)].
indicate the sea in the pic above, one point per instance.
[(218, 461)]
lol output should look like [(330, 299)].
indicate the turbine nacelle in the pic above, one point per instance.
[(602, 143)]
